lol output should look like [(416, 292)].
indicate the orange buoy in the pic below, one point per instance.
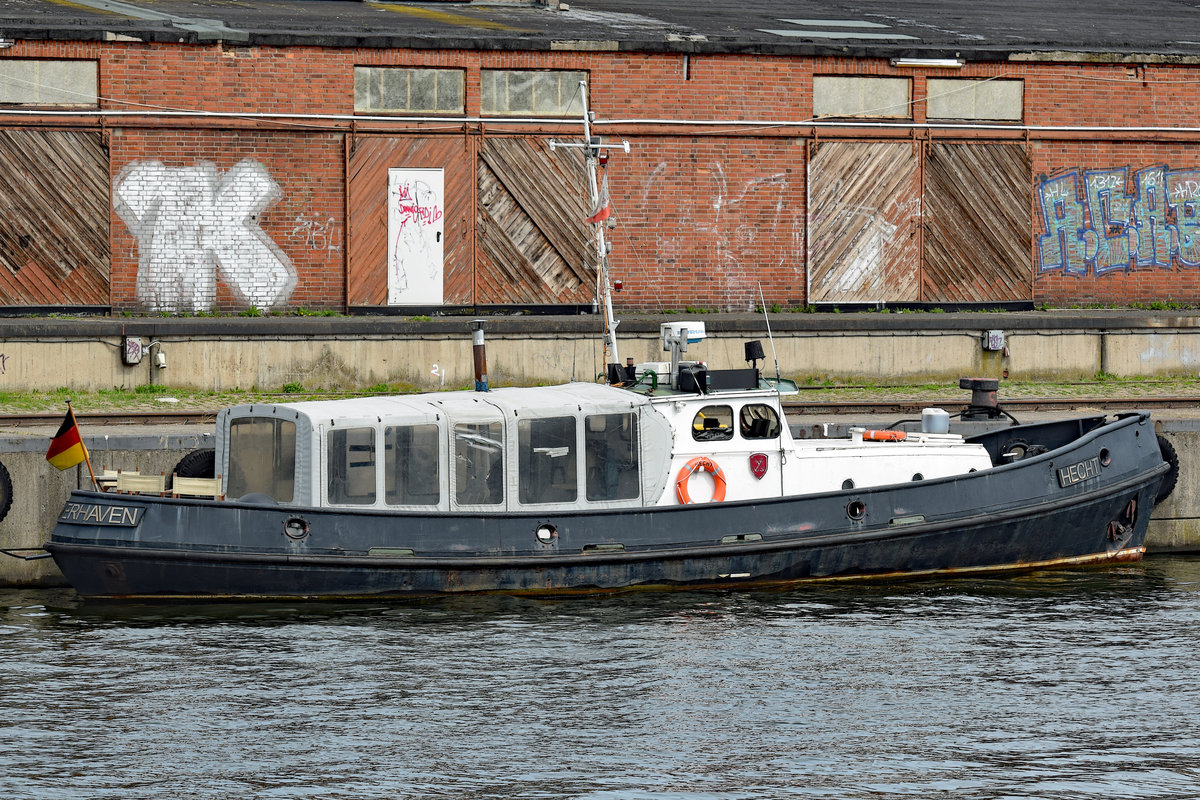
[(884, 436), (700, 464)]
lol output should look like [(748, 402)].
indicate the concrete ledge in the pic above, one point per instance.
[(426, 354)]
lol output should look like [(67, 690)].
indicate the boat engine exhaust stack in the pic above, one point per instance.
[(479, 355)]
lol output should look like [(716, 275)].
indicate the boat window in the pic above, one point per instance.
[(351, 460), (546, 460), (411, 473), (759, 422), (713, 424), (610, 443), (262, 458), (479, 463)]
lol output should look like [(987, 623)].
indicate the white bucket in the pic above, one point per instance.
[(935, 420)]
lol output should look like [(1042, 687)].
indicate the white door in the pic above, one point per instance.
[(416, 229)]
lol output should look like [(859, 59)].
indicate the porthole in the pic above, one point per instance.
[(1105, 456), (546, 533), (856, 510), (296, 528), (847, 484)]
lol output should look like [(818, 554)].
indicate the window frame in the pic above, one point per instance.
[(396, 469), (931, 95), (36, 64), (380, 72), (282, 431), (905, 112), (595, 440), (530, 466), (714, 433), (567, 78), (774, 428)]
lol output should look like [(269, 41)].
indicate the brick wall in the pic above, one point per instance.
[(706, 214)]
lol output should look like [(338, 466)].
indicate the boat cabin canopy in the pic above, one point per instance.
[(578, 445)]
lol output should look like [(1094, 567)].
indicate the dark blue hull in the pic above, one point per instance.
[(1086, 500)]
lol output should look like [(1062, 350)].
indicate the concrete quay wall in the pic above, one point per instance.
[(40, 490), (430, 353)]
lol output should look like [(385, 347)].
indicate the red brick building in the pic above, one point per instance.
[(187, 157)]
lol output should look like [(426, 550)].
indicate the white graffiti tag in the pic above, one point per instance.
[(190, 222)]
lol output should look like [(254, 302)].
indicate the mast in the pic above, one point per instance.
[(594, 155)]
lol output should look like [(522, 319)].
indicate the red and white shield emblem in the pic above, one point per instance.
[(758, 465)]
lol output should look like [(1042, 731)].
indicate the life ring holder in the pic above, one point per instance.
[(700, 464)]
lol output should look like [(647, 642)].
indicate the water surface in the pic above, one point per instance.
[(1065, 684)]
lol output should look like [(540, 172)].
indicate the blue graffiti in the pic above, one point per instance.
[(1099, 221)]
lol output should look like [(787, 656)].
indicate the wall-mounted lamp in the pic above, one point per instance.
[(931, 63)]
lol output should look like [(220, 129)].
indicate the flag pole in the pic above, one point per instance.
[(87, 457)]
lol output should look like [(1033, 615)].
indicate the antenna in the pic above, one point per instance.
[(770, 338), (593, 149)]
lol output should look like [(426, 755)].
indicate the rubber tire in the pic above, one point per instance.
[(6, 492), (198, 464), (1172, 477)]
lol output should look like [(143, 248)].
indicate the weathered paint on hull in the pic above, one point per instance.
[(1030, 542), (1018, 517)]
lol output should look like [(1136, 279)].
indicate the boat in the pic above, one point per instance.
[(666, 475)]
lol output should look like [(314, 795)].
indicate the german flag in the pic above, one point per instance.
[(66, 448)]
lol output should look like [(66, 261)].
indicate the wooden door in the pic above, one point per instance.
[(54, 218), (978, 223), (864, 206)]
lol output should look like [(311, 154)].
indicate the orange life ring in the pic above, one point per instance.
[(700, 464), (884, 436)]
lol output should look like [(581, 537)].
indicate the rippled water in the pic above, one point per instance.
[(1058, 685)]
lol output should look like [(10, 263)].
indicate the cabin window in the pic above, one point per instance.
[(759, 422), (479, 463), (713, 424), (411, 471), (262, 458), (610, 442), (546, 458), (351, 461)]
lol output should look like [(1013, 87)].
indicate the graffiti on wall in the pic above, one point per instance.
[(1102, 221), (725, 221), (190, 223), (318, 234), (416, 225)]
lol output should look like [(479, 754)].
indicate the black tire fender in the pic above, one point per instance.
[(197, 464), (1172, 477), (6, 492)]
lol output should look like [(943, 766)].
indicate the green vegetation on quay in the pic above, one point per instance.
[(156, 397)]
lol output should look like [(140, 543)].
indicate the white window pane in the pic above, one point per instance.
[(48, 83), (975, 99), (861, 97)]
